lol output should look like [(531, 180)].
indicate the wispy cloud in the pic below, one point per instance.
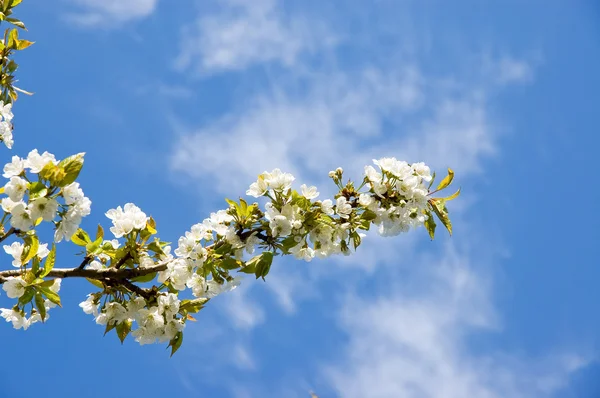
[(245, 33), (108, 13), (408, 342)]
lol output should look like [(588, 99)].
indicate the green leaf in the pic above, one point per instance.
[(94, 247), (27, 296), (176, 343), (263, 266), (430, 224), (50, 295), (230, 263), (439, 208), (32, 244), (39, 304), (71, 167), (37, 190), (81, 238), (192, 306), (144, 278), (368, 215), (95, 282), (13, 39), (100, 232), (123, 329), (155, 247), (446, 181), (52, 173), (23, 44), (109, 326), (431, 182), (50, 260), (356, 239), (35, 265), (453, 196), (16, 22)]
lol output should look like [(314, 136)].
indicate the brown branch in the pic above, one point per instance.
[(97, 274), (9, 233)]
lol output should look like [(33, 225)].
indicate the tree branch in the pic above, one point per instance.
[(97, 274)]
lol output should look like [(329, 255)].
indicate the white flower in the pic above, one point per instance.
[(309, 192), (67, 227), (373, 175), (216, 222), (113, 313), (127, 219), (303, 253), (365, 200), (6, 134), (190, 248), (197, 284), (6, 111), (16, 188), (178, 272), (36, 162), (56, 285), (17, 319), (258, 188), (168, 305), (43, 207), (422, 171), (16, 250), (327, 207), (201, 231), (171, 329), (8, 205), (279, 181), (343, 207), (133, 306), (89, 306), (280, 225), (20, 218), (14, 168), (14, 287)]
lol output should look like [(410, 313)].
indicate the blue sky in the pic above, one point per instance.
[(180, 104)]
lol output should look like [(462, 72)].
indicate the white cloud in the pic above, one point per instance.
[(245, 33), (302, 134), (103, 13), (414, 343), (241, 310)]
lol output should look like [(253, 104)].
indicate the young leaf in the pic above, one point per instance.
[(123, 329), (50, 295), (264, 264), (32, 244), (81, 238), (430, 224), (100, 232), (176, 343), (446, 181), (96, 283), (27, 296), (71, 167), (439, 208), (453, 196), (50, 260), (39, 304)]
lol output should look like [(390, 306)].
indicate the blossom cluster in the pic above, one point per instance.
[(6, 126), (15, 287), (42, 203)]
